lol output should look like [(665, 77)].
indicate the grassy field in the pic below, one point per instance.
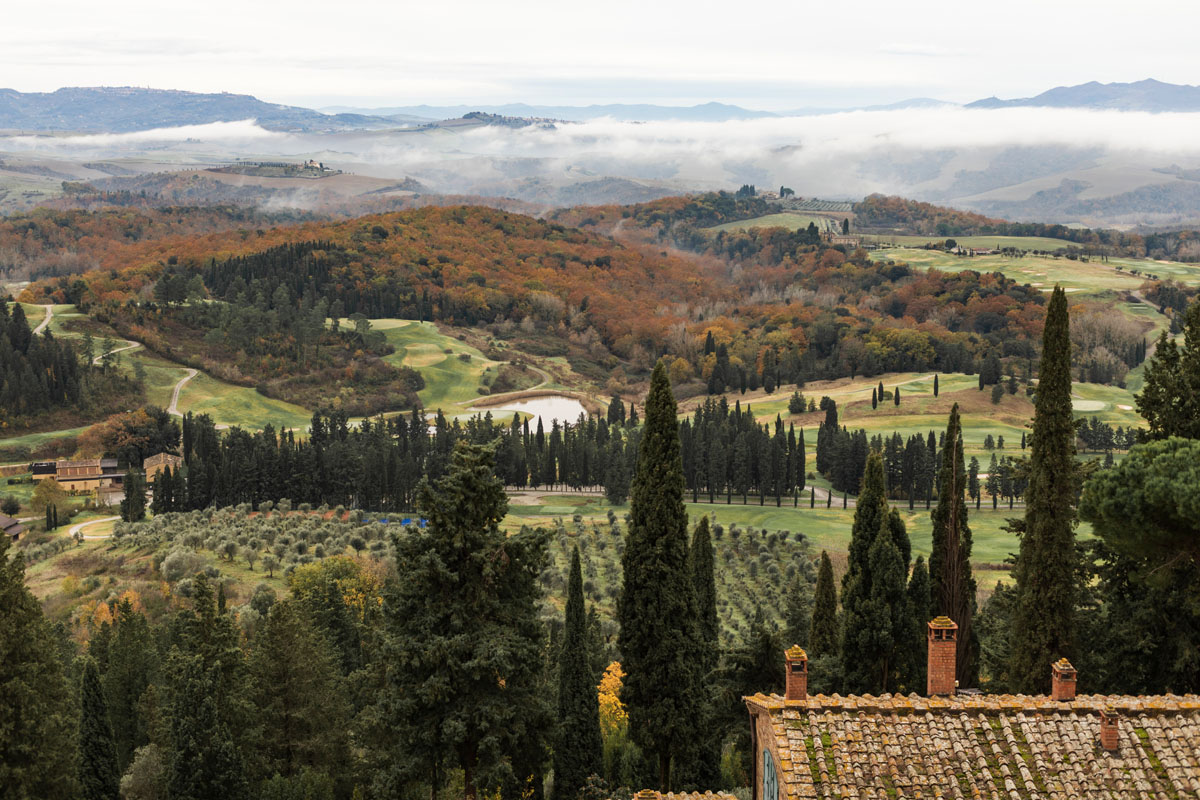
[(824, 529), (792, 220), (1090, 277), (449, 377), (921, 412), (239, 405), (980, 242)]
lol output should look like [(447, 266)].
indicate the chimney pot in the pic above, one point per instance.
[(942, 657), (797, 674), (1110, 735), (1062, 681)]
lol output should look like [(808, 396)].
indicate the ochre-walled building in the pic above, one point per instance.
[(971, 745), (80, 477)]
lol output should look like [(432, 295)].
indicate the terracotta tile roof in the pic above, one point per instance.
[(650, 794), (983, 746)]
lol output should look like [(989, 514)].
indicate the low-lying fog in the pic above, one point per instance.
[(992, 160)]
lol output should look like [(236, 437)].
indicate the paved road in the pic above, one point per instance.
[(174, 407), (42, 325), (74, 529)]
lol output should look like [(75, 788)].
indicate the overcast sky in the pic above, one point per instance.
[(773, 55)]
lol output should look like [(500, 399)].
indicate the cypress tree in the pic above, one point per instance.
[(824, 636), (952, 584), (205, 762), (657, 609), (869, 622), (36, 740), (1043, 619), (702, 765), (917, 600), (132, 667), (577, 751), (935, 385), (133, 505), (99, 776), (896, 397), (797, 617), (874, 400)]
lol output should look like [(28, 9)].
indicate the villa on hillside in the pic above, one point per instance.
[(966, 744), (159, 462)]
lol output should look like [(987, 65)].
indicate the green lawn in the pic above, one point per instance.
[(449, 379), (990, 242), (239, 405), (824, 529), (792, 220)]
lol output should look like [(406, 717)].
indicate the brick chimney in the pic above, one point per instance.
[(943, 646), (797, 673), (1062, 681), (1109, 735)]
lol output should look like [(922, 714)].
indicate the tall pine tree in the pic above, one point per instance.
[(915, 646), (1044, 617), (36, 738), (702, 765), (577, 750), (464, 643), (657, 610), (952, 584), (99, 776)]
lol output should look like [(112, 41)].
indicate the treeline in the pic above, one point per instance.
[(725, 451), (42, 374), (379, 464)]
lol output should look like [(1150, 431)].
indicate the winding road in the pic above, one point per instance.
[(46, 321), (174, 407), (75, 529)]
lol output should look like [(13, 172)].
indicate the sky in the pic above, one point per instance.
[(774, 55)]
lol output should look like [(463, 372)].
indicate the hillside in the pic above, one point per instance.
[(121, 109), (1146, 95)]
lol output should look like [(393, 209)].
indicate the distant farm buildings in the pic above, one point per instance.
[(11, 528), (93, 475), (157, 463)]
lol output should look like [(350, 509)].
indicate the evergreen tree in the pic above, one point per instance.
[(896, 397), (872, 590), (133, 505), (702, 765), (132, 667), (37, 750), (950, 578), (798, 615), (1046, 567), (462, 613), (917, 600), (99, 776), (874, 400), (657, 609), (824, 637), (935, 385), (205, 761), (298, 702), (1170, 396), (577, 749)]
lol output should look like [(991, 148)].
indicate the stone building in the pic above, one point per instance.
[(967, 745)]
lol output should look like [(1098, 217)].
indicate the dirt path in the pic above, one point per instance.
[(75, 529), (46, 321), (174, 407), (128, 346)]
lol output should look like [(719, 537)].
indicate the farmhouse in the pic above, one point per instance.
[(11, 527), (80, 477), (952, 744), (160, 461)]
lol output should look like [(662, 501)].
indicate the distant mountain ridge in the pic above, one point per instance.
[(124, 109), (625, 112), (1148, 95)]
